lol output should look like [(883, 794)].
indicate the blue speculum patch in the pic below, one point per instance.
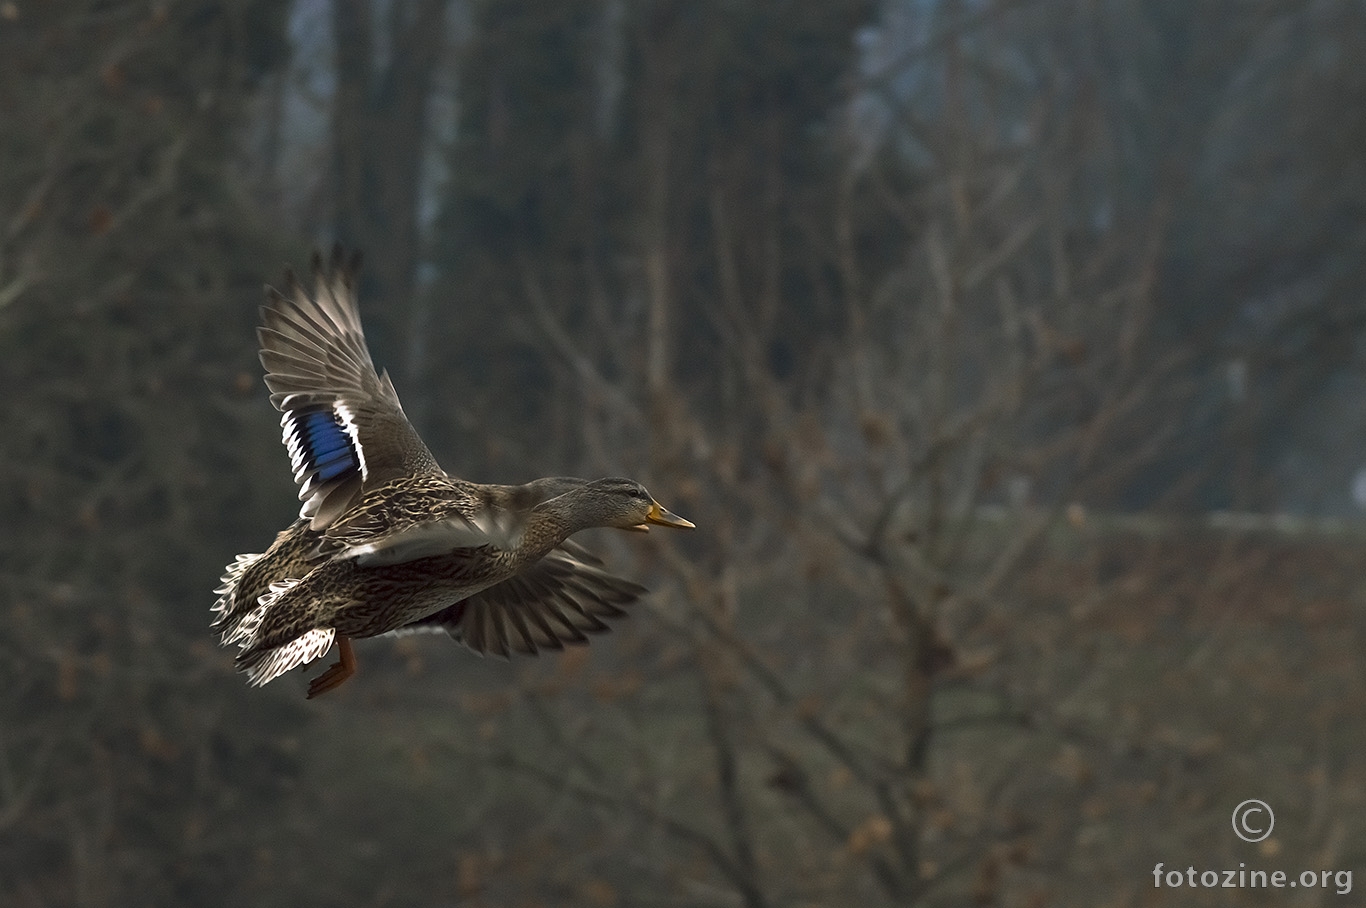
[(326, 446)]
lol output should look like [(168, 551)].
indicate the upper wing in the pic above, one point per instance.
[(343, 425), (560, 599)]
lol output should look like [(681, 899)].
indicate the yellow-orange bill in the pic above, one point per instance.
[(666, 518)]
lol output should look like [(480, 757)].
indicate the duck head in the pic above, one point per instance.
[(621, 503)]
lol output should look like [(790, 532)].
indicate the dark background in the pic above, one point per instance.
[(1008, 356)]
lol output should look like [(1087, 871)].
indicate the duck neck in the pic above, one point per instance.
[(555, 520), (527, 496)]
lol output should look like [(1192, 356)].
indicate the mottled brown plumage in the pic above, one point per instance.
[(387, 542)]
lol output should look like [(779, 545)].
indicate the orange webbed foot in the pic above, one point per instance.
[(344, 668)]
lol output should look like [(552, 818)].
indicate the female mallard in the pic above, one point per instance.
[(386, 542)]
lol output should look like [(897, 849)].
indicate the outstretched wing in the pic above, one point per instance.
[(560, 599), (343, 425)]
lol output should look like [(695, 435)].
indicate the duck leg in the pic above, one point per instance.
[(344, 668)]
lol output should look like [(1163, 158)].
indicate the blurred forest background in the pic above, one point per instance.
[(1007, 353)]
